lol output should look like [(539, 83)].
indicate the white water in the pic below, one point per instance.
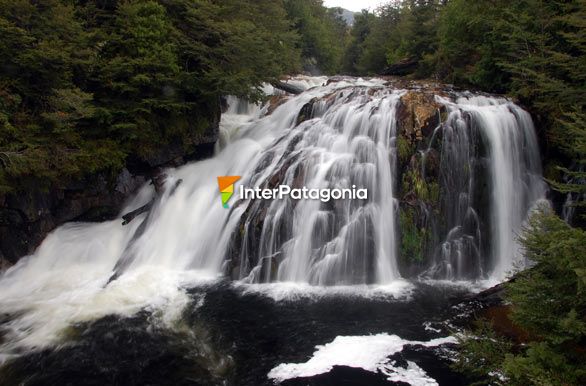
[(515, 173), (398, 290), (349, 141), (370, 352), (490, 176)]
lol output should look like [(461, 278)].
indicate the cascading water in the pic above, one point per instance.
[(347, 143), (490, 164), (338, 135)]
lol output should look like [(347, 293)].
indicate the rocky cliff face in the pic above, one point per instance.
[(419, 191), (35, 210)]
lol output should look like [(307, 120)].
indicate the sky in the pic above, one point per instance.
[(353, 5)]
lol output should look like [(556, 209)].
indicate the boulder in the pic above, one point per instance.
[(306, 111)]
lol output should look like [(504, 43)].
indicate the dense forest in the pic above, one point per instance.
[(533, 50), (88, 86)]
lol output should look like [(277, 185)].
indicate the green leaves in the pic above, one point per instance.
[(322, 34), (84, 85), (548, 304), (395, 32), (482, 353)]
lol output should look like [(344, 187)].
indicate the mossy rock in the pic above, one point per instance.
[(404, 149), (417, 189), (412, 237)]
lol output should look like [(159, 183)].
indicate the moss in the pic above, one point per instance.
[(415, 184), (434, 192), (443, 115), (404, 149), (412, 237)]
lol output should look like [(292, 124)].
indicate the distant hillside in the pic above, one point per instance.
[(347, 15)]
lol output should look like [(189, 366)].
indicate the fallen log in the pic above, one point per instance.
[(295, 90)]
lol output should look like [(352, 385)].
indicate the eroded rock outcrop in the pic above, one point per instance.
[(418, 115)]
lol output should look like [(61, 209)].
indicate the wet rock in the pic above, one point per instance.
[(269, 267), (492, 306), (306, 112), (335, 79), (243, 251), (276, 101), (26, 217), (418, 115), (224, 104)]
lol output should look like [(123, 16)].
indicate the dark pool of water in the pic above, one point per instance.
[(227, 337)]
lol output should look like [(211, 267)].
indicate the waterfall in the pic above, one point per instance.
[(337, 135), (490, 163), (346, 142)]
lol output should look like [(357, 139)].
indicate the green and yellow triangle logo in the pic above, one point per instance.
[(226, 184)]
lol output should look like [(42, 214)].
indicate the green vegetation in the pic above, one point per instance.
[(404, 30), (88, 86), (404, 149), (548, 303), (533, 50), (85, 85), (323, 34), (422, 190), (413, 238), (418, 191)]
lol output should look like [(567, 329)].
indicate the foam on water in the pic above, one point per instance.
[(47, 308), (370, 353), (398, 290)]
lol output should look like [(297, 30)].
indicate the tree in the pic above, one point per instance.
[(548, 303), (470, 45), (355, 49), (382, 39), (322, 34), (87, 85)]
